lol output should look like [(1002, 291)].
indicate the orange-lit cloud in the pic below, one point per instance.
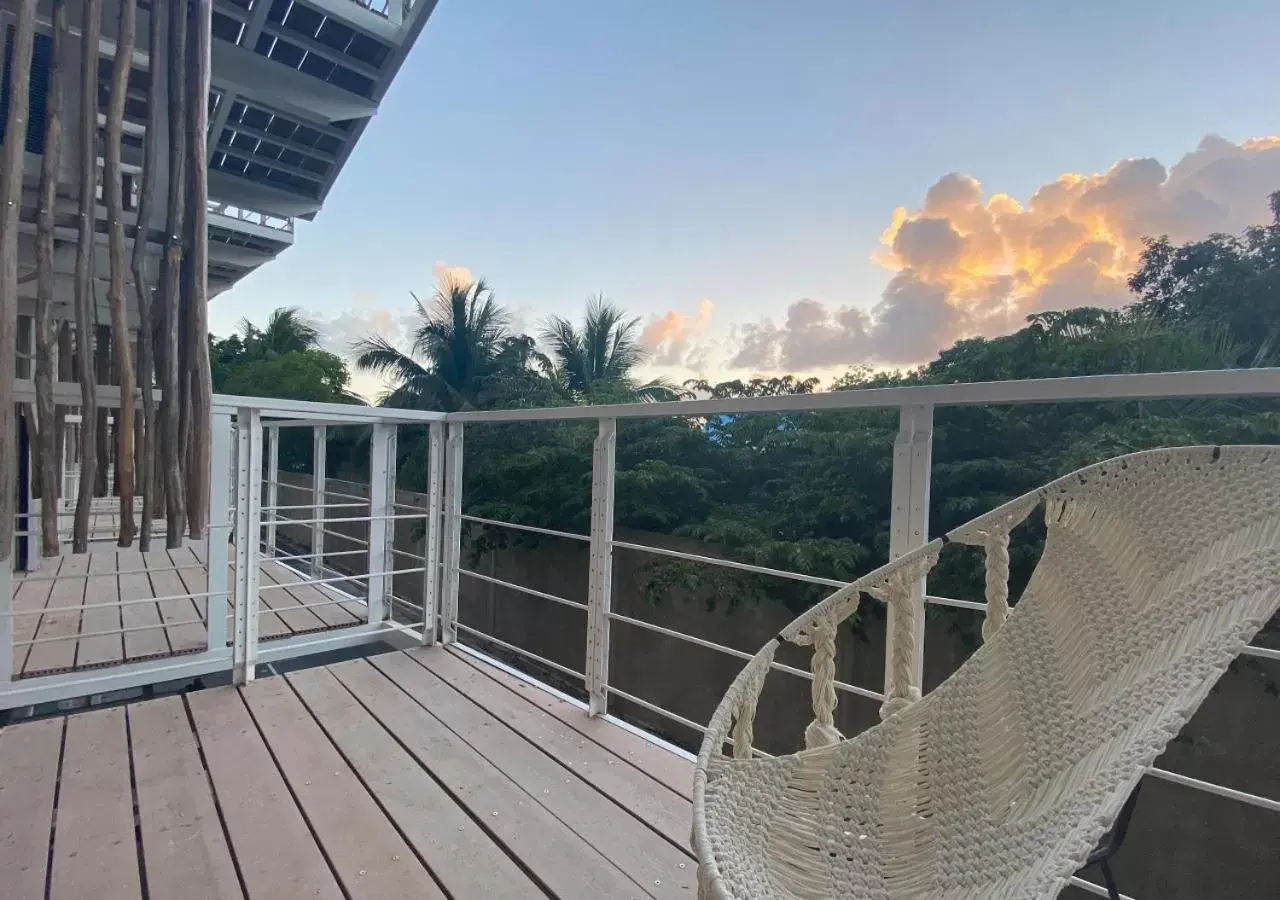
[(670, 336), (967, 263), (447, 275)]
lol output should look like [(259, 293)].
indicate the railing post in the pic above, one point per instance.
[(600, 577), (431, 540), (273, 485), (319, 464), (220, 465), (248, 532), (382, 492), (909, 523), (452, 550)]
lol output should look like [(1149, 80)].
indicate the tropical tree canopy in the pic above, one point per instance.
[(287, 330), (459, 349), (599, 358)]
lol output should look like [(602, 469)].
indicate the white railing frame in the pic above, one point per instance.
[(600, 576), (912, 456)]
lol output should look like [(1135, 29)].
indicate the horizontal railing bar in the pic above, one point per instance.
[(422, 510), (346, 519), (345, 537), (514, 649), (522, 589), (952, 601), (731, 564), (1092, 888), (326, 554), (740, 654), (418, 556), (1210, 788), (107, 604), (264, 610), (70, 576), (336, 579), (1093, 388), (653, 707), (364, 500), (1261, 652), (112, 633), (497, 523), (267, 509)]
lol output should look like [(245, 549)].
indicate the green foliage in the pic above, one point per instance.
[(810, 492)]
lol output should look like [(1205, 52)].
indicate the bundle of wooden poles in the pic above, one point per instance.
[(164, 452)]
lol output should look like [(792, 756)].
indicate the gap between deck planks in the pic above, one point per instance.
[(369, 778)]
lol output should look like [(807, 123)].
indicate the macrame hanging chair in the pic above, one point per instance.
[(1158, 568)]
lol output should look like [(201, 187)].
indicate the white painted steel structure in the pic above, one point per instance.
[(444, 521)]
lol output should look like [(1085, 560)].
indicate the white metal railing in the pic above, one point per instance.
[(909, 525), (259, 523), (242, 532), (252, 216)]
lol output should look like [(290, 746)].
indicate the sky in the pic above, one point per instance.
[(795, 186)]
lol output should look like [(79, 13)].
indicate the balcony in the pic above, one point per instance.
[(285, 705)]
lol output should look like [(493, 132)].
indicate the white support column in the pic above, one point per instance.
[(909, 519), (431, 540), (248, 533), (600, 577), (273, 485), (319, 462), (220, 465), (452, 533), (382, 492)]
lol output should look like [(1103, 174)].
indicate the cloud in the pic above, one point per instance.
[(966, 263), (670, 336), (447, 275)]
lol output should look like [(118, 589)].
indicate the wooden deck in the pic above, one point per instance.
[(82, 633), (415, 774)]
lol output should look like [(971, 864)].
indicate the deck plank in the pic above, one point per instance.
[(29, 596), (673, 771), (183, 845), (106, 648), (94, 851), (28, 778), (277, 612), (276, 853), (659, 807), (560, 859), (459, 853), (152, 641), (634, 848), (169, 584), (67, 592), (333, 614), (370, 857)]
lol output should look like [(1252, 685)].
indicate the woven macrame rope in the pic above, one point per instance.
[(997, 552), (1158, 568), (903, 689), (822, 730)]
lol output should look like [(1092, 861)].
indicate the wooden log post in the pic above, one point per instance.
[(170, 280), (200, 35), (142, 288), (116, 299), (49, 426), (11, 162), (90, 33)]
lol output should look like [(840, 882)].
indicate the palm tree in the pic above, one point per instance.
[(287, 330), (601, 356), (460, 341)]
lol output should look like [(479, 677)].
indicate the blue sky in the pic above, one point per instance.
[(749, 152)]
